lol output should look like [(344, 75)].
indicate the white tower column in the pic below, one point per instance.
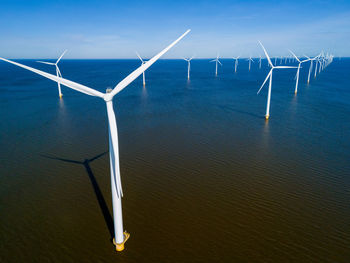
[(59, 85), (143, 78), (188, 70), (120, 236), (308, 77), (316, 68), (297, 80), (268, 99)]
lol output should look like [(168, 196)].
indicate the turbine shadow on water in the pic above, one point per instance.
[(99, 196)]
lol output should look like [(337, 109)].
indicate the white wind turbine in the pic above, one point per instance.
[(250, 61), (269, 76), (319, 61), (216, 64), (117, 193), (58, 72), (281, 60), (188, 66), (236, 62), (298, 70), (310, 68), (143, 73), (316, 62)]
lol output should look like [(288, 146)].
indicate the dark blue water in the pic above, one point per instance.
[(205, 178)]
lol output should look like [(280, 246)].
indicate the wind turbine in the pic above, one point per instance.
[(269, 76), (310, 68), (117, 192), (216, 64), (143, 73), (188, 66), (298, 70), (316, 62), (236, 62), (250, 61), (58, 72), (281, 60)]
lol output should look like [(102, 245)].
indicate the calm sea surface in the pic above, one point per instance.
[(205, 178)]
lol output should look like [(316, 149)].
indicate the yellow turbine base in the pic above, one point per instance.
[(61, 96), (267, 117), (120, 247)]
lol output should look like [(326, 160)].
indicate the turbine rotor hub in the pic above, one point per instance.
[(107, 97)]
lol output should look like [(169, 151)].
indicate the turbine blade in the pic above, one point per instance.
[(59, 72), (48, 63), (58, 60), (219, 62), (285, 67), (137, 54), (267, 56), (68, 83), (268, 75), (132, 76), (294, 55)]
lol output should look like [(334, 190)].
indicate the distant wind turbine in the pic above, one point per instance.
[(298, 70), (250, 61), (143, 73), (216, 64), (188, 66), (269, 76), (236, 62), (117, 193), (58, 72), (310, 68), (316, 62)]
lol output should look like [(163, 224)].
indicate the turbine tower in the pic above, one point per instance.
[(188, 66), (58, 72), (298, 70), (117, 192), (216, 64), (259, 61), (269, 76), (143, 73)]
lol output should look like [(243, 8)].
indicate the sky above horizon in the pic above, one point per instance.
[(116, 29)]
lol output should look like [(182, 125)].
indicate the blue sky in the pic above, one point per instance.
[(115, 29)]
